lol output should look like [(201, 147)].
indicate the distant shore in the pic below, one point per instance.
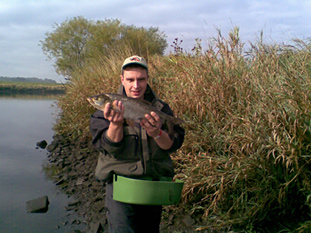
[(22, 88)]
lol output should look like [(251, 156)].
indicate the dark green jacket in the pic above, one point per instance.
[(137, 154)]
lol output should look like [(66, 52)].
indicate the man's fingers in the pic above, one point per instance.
[(110, 110), (155, 116), (116, 106), (120, 106), (149, 121), (107, 110), (153, 119)]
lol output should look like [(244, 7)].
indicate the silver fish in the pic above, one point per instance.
[(134, 109)]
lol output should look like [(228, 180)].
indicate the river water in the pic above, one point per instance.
[(24, 122)]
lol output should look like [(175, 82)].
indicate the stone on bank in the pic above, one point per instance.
[(42, 144), (38, 205)]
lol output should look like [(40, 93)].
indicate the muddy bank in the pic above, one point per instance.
[(71, 166)]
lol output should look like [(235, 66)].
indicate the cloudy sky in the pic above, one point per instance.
[(23, 23)]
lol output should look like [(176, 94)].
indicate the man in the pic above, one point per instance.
[(135, 151)]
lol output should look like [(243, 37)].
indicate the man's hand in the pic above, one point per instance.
[(152, 124), (114, 116), (115, 130)]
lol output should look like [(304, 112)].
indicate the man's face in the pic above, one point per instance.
[(135, 81)]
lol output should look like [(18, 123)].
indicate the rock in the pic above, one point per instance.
[(39, 205), (59, 182), (96, 228), (52, 146), (70, 208), (188, 221), (42, 144), (80, 181), (74, 203), (76, 221), (98, 198), (80, 157)]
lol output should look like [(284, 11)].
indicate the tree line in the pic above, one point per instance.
[(28, 80), (76, 42)]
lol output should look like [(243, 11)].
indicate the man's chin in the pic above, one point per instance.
[(136, 95)]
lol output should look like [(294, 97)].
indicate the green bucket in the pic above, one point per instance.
[(146, 192)]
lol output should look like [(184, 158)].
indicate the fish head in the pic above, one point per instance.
[(99, 101)]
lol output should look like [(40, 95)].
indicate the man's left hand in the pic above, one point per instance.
[(152, 124)]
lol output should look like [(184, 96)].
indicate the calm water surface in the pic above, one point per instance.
[(23, 122)]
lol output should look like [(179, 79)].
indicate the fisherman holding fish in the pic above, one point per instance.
[(135, 133)]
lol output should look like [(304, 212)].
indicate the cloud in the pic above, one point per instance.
[(23, 23)]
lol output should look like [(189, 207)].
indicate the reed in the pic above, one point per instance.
[(246, 157)]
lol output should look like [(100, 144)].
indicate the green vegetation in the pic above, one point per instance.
[(78, 41), (8, 88), (27, 80), (246, 157)]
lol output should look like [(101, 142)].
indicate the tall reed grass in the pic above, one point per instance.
[(246, 157)]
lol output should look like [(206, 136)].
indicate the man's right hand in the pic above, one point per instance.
[(115, 130), (114, 116)]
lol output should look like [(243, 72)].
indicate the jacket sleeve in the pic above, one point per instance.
[(98, 128), (178, 138), (179, 132)]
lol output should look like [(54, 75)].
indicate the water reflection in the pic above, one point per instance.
[(23, 122)]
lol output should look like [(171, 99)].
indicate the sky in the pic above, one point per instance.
[(23, 24)]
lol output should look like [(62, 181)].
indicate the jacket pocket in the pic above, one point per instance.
[(130, 145), (107, 166)]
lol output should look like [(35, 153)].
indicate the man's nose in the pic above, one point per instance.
[(135, 84)]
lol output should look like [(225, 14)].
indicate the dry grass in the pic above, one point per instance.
[(246, 157)]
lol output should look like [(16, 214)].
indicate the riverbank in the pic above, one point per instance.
[(245, 159), (72, 166), (23, 88)]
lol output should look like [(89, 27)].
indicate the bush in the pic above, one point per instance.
[(246, 157)]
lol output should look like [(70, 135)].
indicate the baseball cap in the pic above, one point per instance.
[(135, 60)]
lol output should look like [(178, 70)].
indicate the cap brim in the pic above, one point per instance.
[(136, 63)]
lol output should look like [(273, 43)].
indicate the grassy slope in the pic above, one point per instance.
[(246, 157)]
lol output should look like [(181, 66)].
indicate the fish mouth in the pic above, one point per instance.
[(90, 100)]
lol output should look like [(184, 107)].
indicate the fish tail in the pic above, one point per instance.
[(176, 120), (171, 121)]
